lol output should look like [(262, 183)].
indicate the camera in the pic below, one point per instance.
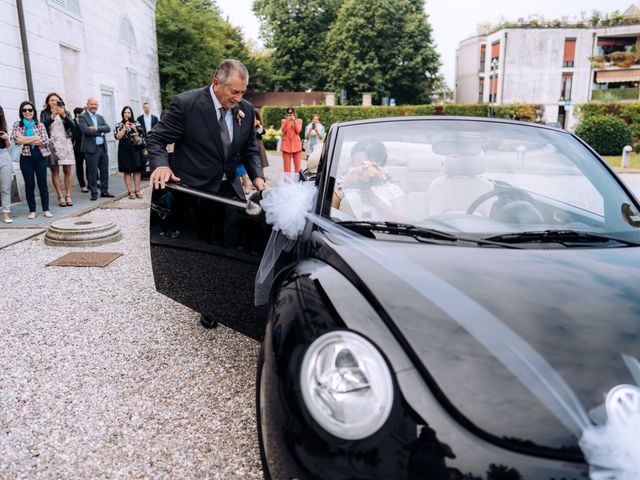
[(59, 103), (313, 126)]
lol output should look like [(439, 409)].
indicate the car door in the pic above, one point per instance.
[(205, 253)]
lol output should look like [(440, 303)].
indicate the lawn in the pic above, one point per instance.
[(614, 160)]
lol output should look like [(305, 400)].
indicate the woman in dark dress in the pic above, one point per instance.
[(130, 157)]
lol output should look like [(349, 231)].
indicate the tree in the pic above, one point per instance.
[(191, 44), (193, 39), (296, 31), (384, 47)]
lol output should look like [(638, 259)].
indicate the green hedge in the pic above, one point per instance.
[(271, 115), (607, 135), (628, 112)]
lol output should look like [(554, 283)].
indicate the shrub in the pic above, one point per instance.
[(270, 138), (628, 112), (607, 135)]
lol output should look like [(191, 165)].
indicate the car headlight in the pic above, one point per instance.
[(346, 385)]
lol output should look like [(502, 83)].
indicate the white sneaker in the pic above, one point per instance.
[(7, 220)]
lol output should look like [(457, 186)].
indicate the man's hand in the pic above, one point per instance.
[(259, 184), (160, 176), (92, 128)]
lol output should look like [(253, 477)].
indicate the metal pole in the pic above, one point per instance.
[(491, 80), (25, 51)]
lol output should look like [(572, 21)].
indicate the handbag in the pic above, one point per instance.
[(136, 140)]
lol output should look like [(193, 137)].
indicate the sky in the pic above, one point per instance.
[(453, 20)]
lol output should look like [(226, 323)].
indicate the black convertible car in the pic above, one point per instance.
[(455, 308)]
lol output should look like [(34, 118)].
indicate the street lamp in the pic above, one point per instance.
[(492, 79)]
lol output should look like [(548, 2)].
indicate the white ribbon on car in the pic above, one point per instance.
[(285, 208), (612, 449)]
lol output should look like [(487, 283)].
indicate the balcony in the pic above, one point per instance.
[(617, 59), (616, 94)]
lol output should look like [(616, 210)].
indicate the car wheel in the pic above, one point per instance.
[(263, 457)]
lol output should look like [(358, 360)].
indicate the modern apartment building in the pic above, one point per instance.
[(555, 67)]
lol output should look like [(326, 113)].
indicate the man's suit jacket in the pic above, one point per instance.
[(198, 157), (88, 144), (140, 119)]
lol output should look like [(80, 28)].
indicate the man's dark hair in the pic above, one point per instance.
[(228, 67), (78, 110)]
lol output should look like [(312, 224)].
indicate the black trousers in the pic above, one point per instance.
[(35, 166), (98, 160), (81, 172)]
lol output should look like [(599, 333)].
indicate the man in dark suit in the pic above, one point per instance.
[(94, 147), (147, 120), (213, 132)]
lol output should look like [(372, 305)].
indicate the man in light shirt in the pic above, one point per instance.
[(94, 147), (147, 119)]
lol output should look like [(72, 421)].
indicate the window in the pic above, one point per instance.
[(483, 54), (481, 91), (565, 89), (495, 50), (569, 52), (132, 86), (127, 35), (493, 88), (70, 7)]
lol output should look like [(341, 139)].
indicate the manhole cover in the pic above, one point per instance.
[(85, 259)]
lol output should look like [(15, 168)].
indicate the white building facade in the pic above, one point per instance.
[(105, 49), (555, 67)]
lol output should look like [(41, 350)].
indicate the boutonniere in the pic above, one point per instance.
[(239, 117)]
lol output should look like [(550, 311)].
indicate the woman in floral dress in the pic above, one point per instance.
[(59, 124)]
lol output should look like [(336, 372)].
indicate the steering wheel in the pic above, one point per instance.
[(514, 205), (498, 191)]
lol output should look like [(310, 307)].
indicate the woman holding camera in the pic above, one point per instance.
[(291, 145), (59, 124), (6, 170), (33, 137), (130, 145), (314, 133)]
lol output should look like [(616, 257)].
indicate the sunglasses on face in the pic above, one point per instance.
[(25, 110)]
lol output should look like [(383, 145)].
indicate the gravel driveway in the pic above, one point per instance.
[(102, 377)]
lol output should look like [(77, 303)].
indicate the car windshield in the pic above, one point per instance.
[(476, 177)]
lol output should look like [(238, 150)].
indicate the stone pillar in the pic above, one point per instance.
[(330, 99), (366, 99)]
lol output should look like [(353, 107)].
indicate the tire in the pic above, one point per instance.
[(263, 457)]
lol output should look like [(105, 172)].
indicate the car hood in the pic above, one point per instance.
[(578, 308)]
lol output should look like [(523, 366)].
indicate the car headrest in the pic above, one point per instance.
[(463, 165)]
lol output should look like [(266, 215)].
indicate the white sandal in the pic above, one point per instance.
[(31, 215)]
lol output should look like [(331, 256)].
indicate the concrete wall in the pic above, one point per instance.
[(530, 68), (81, 56), (533, 68), (467, 68)]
